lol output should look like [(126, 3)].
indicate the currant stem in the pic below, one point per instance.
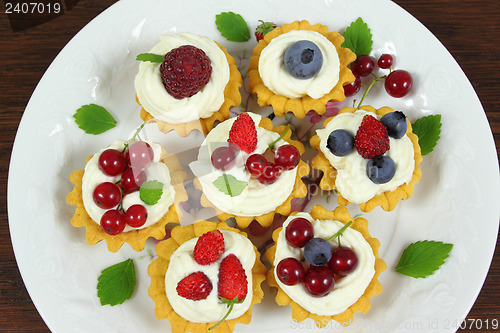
[(369, 87), (271, 145)]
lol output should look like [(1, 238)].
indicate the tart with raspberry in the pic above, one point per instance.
[(187, 82), (127, 192), (369, 156), (249, 170), (207, 277), (299, 67), (325, 265)]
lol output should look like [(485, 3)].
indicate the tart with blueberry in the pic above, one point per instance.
[(127, 192), (369, 156), (187, 82), (325, 265), (249, 170), (299, 67), (207, 277)]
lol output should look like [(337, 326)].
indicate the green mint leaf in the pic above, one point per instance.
[(422, 258), (150, 192), (116, 283), (151, 57), (94, 119), (229, 185), (232, 27), (428, 130), (358, 38)]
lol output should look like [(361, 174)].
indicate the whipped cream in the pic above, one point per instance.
[(210, 309), (256, 199), (93, 176), (275, 76), (347, 290), (352, 182), (160, 104)]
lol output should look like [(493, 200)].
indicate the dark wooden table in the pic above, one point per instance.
[(470, 30)]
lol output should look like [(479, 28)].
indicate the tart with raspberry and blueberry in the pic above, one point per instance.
[(249, 170), (207, 277), (299, 67), (369, 156), (127, 192), (325, 265), (187, 82)]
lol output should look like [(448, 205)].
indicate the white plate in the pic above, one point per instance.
[(456, 200)]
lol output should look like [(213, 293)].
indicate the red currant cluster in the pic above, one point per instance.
[(286, 157), (130, 165), (323, 264), (397, 83)]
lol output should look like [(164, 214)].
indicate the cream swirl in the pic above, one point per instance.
[(352, 182), (210, 309), (275, 77), (93, 176), (256, 199), (346, 291), (160, 104)]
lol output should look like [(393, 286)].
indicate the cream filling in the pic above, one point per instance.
[(352, 182), (160, 104), (256, 199), (93, 176), (275, 76), (210, 309), (348, 289)]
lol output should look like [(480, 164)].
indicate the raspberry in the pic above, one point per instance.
[(209, 247), (371, 139), (243, 133), (196, 286), (185, 71)]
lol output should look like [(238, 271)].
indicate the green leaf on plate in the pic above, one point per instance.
[(229, 185), (232, 27), (358, 38), (428, 130), (151, 191), (151, 57), (94, 119), (423, 258), (116, 283)]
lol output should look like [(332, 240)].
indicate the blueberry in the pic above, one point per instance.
[(317, 251), (340, 142), (303, 59), (381, 169), (395, 123)]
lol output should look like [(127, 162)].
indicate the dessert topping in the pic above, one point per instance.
[(196, 286), (209, 248), (263, 28), (371, 139), (303, 59), (243, 133), (381, 169), (340, 142), (395, 122)]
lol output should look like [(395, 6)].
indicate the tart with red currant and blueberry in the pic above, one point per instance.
[(187, 82), (325, 265), (249, 170), (299, 67), (369, 156), (127, 193), (207, 277)]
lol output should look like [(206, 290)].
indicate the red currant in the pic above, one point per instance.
[(385, 61), (223, 158), (107, 195), (136, 215), (139, 155), (398, 83), (298, 232), (132, 179), (256, 164), (287, 157), (363, 66), (343, 261), (112, 162), (318, 281), (353, 88), (290, 271), (113, 222), (271, 174)]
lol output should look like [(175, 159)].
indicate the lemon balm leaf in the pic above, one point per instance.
[(150, 192), (423, 258), (232, 27), (94, 119), (116, 283), (428, 130), (358, 38), (229, 185), (151, 57)]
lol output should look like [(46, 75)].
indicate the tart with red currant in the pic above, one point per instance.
[(127, 193), (325, 265), (299, 67), (369, 156), (187, 82), (249, 170), (207, 277)]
